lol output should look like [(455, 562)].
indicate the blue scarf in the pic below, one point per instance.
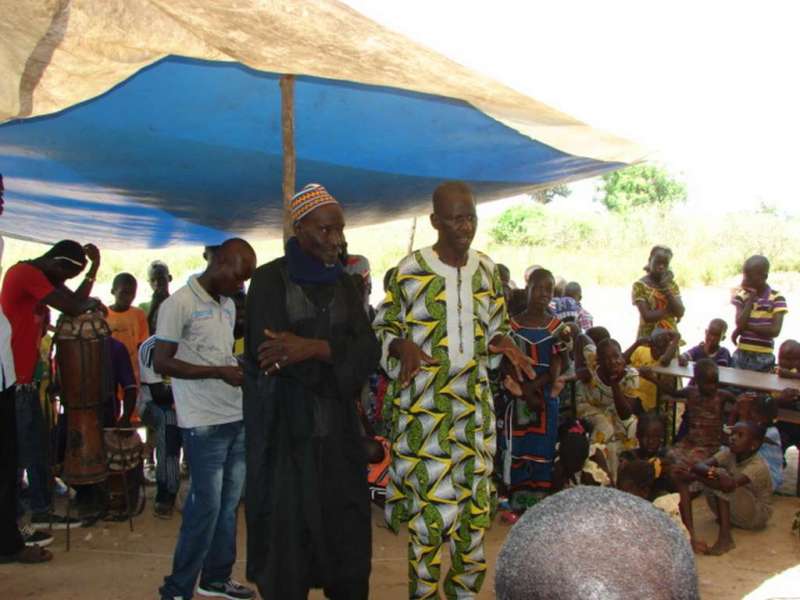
[(304, 268)]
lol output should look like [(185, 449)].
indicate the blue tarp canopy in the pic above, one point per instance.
[(187, 149)]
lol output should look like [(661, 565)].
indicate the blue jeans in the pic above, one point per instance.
[(32, 447), (168, 448), (207, 540)]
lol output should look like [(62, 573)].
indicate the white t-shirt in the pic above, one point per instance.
[(203, 330)]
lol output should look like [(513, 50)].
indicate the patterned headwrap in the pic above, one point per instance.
[(308, 200)]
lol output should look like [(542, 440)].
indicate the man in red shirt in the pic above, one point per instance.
[(28, 287)]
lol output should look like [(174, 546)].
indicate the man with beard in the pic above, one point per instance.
[(309, 349)]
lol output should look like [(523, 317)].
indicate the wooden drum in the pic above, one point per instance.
[(81, 349)]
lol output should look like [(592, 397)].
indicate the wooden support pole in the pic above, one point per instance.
[(289, 157)]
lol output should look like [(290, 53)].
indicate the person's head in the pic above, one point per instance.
[(123, 288), (240, 302), (454, 217), (558, 288), (706, 376), (529, 271), (159, 277), (651, 431), (318, 223), (584, 527), (387, 278), (610, 361), (231, 265), (746, 437), (597, 334), (573, 445), (659, 342), (208, 252), (755, 272), (540, 289), (636, 476), (789, 355), (715, 333), (764, 411), (65, 260), (573, 290), (658, 262), (517, 302)]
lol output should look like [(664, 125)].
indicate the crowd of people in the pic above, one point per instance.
[(472, 395)]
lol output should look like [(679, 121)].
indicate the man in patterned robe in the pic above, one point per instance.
[(442, 326)]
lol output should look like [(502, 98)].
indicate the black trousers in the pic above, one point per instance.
[(10, 538)]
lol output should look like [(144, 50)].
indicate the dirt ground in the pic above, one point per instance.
[(108, 562)]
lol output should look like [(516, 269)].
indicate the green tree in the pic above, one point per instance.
[(546, 195), (640, 185)]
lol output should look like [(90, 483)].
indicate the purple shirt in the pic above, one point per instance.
[(722, 357)]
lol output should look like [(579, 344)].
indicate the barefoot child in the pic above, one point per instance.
[(651, 433), (704, 406), (737, 486), (656, 295), (759, 317), (531, 420), (763, 410)]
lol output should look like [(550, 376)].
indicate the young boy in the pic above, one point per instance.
[(759, 317), (710, 347), (128, 324), (159, 277), (658, 349), (574, 291), (789, 368), (737, 485)]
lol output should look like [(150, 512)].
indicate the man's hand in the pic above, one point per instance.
[(231, 375), (522, 365), (92, 253), (282, 349), (411, 359)]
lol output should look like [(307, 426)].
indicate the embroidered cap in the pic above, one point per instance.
[(309, 199)]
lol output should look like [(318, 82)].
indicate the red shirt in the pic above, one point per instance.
[(24, 287)]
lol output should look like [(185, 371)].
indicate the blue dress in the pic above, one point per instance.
[(531, 436)]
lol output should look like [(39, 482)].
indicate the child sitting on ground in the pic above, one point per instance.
[(737, 485), (762, 410), (759, 318), (579, 462), (710, 347), (605, 398), (658, 349), (704, 405), (651, 433), (638, 477)]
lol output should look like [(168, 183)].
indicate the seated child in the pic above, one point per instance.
[(737, 485), (762, 410), (704, 407), (788, 368), (578, 462), (710, 347), (759, 318), (658, 349), (651, 433), (638, 477), (606, 400), (531, 416)]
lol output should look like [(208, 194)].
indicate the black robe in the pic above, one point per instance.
[(307, 500)]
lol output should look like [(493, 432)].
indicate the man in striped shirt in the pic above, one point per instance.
[(759, 317)]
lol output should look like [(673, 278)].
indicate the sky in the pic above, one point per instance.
[(711, 88)]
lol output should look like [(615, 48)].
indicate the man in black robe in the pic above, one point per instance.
[(309, 350)]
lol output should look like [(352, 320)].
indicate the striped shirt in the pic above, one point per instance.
[(766, 306)]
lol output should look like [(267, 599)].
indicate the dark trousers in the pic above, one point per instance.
[(10, 538)]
